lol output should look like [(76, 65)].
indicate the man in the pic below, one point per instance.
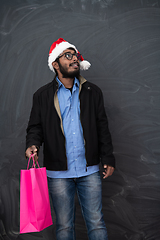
[(68, 116)]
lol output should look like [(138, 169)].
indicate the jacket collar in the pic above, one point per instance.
[(80, 78)]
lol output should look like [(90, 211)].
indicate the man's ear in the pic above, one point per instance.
[(55, 65)]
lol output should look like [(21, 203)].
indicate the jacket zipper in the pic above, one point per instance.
[(59, 114), (82, 127)]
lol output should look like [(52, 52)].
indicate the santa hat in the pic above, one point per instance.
[(58, 47)]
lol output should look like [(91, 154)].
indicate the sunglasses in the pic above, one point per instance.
[(69, 55)]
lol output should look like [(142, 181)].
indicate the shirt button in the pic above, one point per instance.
[(74, 133), (72, 120)]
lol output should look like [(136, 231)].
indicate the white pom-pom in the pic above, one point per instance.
[(84, 65)]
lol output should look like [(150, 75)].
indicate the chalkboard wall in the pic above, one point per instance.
[(121, 39)]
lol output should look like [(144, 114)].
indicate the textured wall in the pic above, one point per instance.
[(122, 41)]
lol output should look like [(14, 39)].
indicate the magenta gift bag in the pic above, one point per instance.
[(35, 212)]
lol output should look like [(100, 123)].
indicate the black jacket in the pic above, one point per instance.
[(45, 126)]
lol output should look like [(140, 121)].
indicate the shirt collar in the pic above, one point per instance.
[(60, 84)]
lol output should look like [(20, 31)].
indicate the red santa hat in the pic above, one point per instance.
[(58, 47)]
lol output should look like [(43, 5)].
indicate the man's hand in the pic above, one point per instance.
[(108, 171), (32, 150)]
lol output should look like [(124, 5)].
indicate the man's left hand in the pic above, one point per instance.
[(108, 171)]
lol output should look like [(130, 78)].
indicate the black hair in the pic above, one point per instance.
[(57, 60)]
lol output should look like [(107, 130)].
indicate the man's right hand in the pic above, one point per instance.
[(32, 150)]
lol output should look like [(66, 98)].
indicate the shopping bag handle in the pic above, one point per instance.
[(34, 162)]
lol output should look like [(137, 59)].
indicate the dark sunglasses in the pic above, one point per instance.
[(69, 55)]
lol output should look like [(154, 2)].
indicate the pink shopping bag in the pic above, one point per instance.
[(35, 212)]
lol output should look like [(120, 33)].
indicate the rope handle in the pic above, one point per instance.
[(34, 162)]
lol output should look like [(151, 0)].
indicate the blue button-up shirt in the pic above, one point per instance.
[(75, 146)]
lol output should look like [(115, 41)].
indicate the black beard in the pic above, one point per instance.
[(69, 74)]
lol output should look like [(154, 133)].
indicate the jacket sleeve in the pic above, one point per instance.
[(104, 136), (34, 130)]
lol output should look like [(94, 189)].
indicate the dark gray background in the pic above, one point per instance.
[(121, 39)]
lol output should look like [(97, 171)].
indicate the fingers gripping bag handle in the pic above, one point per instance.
[(34, 162), (35, 211)]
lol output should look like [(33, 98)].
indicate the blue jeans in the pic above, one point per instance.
[(89, 192)]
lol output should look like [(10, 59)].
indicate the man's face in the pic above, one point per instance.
[(68, 68)]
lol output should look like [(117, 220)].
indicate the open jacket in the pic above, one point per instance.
[(45, 126)]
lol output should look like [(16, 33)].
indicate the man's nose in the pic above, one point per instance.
[(75, 57)]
